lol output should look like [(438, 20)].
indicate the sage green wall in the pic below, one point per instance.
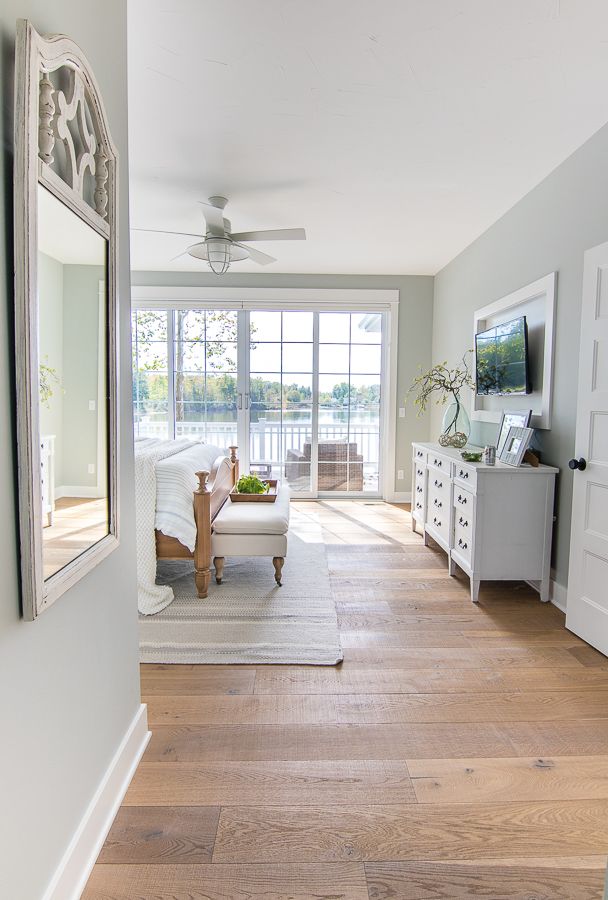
[(50, 292), (415, 325), (548, 230), (80, 371), (69, 684)]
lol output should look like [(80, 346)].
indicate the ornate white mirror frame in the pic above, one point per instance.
[(72, 120)]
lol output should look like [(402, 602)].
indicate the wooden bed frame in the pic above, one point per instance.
[(212, 493)]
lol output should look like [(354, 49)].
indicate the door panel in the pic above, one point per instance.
[(587, 612)]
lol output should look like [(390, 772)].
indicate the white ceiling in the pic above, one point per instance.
[(394, 131)]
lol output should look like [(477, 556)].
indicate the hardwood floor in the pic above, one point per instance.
[(458, 751), (78, 523)]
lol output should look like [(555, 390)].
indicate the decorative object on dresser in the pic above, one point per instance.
[(515, 446), (65, 214), (494, 522), (520, 418), (456, 426)]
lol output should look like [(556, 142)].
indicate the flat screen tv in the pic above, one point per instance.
[(501, 359)]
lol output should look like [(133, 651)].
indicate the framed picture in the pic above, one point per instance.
[(518, 418), (516, 444)]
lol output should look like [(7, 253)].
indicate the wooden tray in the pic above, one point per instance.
[(270, 497)]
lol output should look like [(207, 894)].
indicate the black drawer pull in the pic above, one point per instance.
[(419, 489), (463, 522), (436, 521), (419, 454), (462, 544), (463, 474), (420, 472), (419, 506), (437, 503), (462, 499), (438, 484), (438, 463)]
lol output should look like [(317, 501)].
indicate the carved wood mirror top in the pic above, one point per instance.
[(65, 179)]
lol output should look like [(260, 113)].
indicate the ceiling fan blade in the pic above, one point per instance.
[(277, 234), (214, 217), (263, 259), (179, 255), (162, 231)]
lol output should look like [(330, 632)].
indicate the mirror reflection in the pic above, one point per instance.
[(73, 383)]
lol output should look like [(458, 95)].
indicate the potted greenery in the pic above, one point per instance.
[(448, 383), (48, 378)]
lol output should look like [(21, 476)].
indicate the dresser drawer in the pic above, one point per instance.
[(418, 508), (437, 521), (463, 541), (439, 482), (438, 501), (465, 475), (440, 462), (420, 455), (463, 520), (463, 500)]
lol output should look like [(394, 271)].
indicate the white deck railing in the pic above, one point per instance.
[(270, 441)]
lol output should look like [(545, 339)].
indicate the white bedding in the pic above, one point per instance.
[(165, 478), (175, 481)]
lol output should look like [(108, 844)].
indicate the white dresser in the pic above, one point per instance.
[(494, 522)]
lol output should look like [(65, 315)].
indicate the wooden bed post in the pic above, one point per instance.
[(202, 549), (235, 463)]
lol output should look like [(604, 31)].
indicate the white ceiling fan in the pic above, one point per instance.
[(219, 247)]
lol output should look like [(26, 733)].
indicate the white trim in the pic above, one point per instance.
[(558, 595), (544, 287), (73, 871), (79, 490), (147, 297), (399, 497), (102, 430)]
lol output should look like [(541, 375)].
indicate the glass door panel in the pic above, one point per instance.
[(350, 367), (150, 374), (205, 375), (281, 396)]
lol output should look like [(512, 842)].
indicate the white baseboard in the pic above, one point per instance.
[(558, 595), (73, 871), (399, 497), (78, 490)]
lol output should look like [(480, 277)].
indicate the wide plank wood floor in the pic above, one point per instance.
[(458, 751)]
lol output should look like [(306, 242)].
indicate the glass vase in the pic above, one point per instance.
[(456, 426)]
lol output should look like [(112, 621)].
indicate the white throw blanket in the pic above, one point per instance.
[(165, 478), (151, 597)]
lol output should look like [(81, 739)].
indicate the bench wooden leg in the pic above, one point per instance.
[(277, 562), (202, 577), (218, 562)]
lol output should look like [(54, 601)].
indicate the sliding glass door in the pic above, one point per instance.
[(298, 392)]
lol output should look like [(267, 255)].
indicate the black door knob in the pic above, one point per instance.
[(580, 464)]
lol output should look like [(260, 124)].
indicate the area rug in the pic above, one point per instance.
[(248, 618)]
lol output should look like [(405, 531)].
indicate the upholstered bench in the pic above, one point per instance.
[(251, 529)]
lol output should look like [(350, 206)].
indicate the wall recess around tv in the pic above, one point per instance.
[(501, 360), (537, 302)]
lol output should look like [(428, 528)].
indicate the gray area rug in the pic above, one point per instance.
[(248, 618)]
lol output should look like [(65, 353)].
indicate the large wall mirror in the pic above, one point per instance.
[(65, 288)]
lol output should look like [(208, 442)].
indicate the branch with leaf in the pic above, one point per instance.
[(441, 379)]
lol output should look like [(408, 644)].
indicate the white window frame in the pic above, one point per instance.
[(313, 300)]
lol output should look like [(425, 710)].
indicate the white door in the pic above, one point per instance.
[(587, 613)]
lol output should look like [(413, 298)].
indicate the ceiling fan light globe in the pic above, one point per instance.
[(218, 253)]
